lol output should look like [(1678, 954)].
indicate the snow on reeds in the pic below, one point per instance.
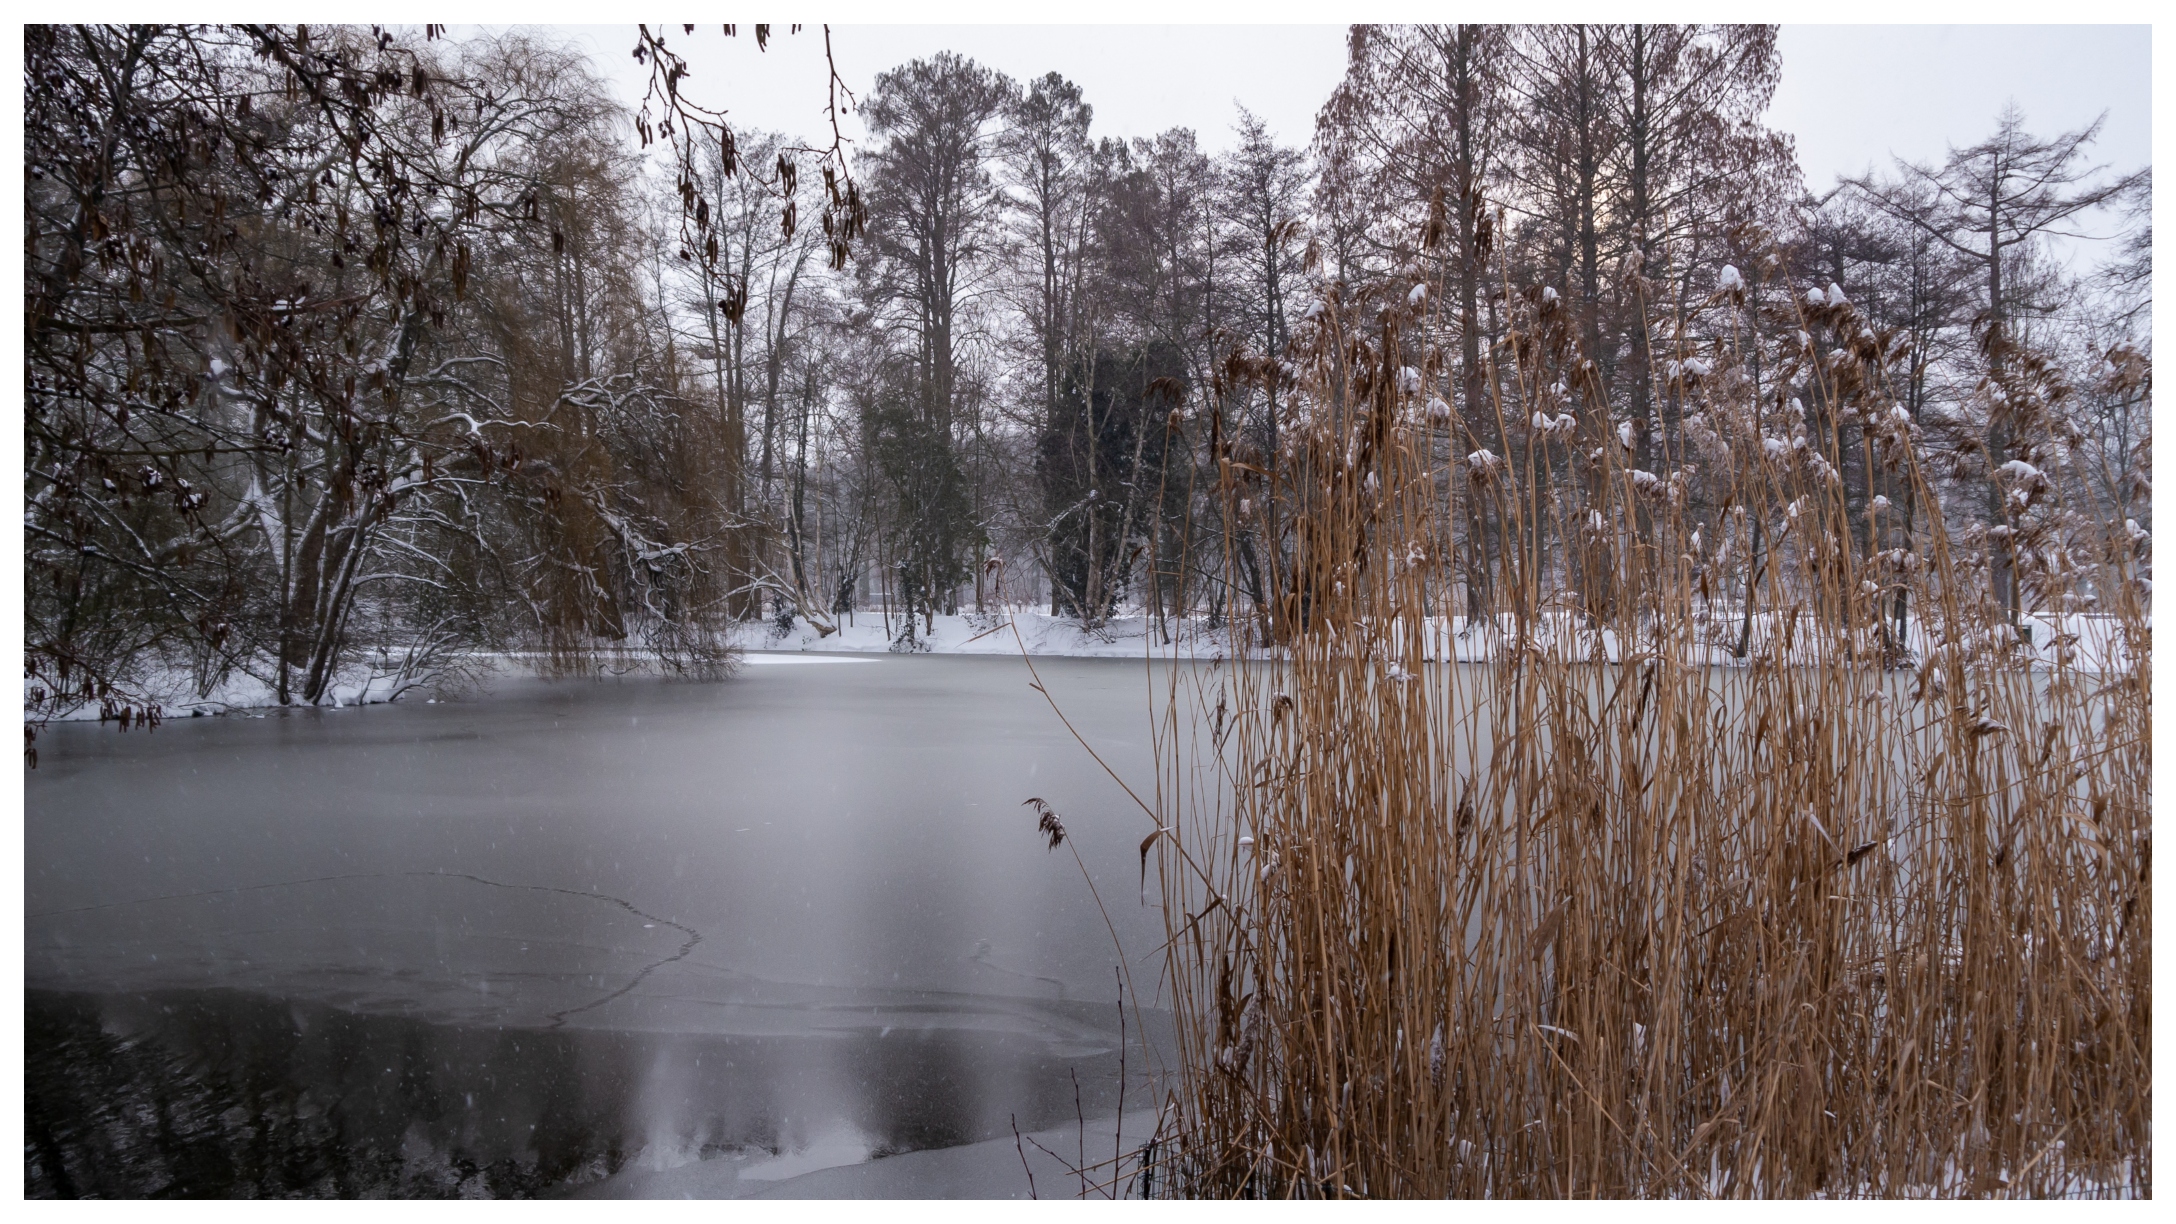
[(1859, 913)]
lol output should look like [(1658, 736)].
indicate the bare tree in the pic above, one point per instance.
[(1990, 203), (934, 230)]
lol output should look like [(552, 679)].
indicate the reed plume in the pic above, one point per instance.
[(1698, 826)]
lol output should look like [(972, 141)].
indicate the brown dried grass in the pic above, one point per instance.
[(1805, 923)]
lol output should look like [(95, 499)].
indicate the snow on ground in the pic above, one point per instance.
[(2087, 643), (1123, 637), (174, 691)]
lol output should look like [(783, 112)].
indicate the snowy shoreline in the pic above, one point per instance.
[(993, 633), (2086, 643)]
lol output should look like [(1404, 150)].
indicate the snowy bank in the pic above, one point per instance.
[(992, 633), (2084, 643), (2087, 643)]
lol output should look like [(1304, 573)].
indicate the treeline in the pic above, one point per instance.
[(348, 354), (343, 358)]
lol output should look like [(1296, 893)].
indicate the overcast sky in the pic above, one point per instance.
[(1852, 95)]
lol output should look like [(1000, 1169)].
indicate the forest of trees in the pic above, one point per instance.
[(349, 354)]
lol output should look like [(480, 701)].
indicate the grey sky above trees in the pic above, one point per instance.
[(1847, 92), (1852, 96)]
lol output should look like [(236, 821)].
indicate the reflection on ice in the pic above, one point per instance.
[(226, 1094)]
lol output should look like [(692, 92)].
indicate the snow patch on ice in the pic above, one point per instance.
[(842, 1144)]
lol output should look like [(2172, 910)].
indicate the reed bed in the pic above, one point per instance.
[(1717, 876)]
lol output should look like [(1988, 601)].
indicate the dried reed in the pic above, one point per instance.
[(1706, 878)]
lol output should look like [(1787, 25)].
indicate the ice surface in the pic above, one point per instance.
[(562, 858)]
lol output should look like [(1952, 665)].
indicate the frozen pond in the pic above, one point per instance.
[(511, 944)]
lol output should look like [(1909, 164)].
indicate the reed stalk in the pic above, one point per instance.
[(1703, 876)]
